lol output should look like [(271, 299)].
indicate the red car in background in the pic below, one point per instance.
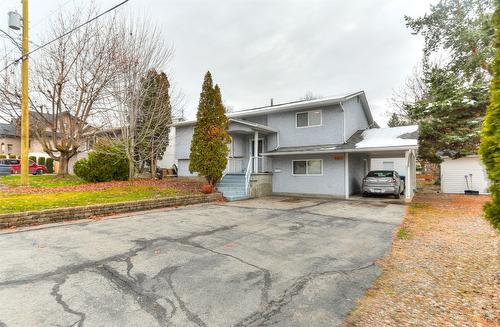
[(15, 166)]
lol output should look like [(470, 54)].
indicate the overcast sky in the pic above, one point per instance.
[(262, 49)]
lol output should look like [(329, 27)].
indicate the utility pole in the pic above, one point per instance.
[(24, 100)]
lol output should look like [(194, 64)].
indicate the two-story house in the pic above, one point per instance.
[(321, 147)]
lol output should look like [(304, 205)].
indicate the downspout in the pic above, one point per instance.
[(343, 122)]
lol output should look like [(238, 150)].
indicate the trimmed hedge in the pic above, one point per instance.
[(41, 160), (49, 163), (107, 162), (33, 158)]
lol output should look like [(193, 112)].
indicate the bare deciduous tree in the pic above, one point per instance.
[(310, 96), (69, 81), (413, 90), (140, 49)]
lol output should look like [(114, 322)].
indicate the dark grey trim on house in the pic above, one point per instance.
[(9, 130)]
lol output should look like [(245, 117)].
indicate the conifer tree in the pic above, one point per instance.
[(209, 145), (490, 133)]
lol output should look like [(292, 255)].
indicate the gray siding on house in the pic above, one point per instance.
[(239, 146), (183, 168), (355, 117), (261, 119), (272, 142), (330, 131), (183, 137), (330, 183)]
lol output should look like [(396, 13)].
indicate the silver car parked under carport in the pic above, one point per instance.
[(383, 182)]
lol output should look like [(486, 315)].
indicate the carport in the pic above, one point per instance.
[(342, 167), (381, 143), (358, 164)]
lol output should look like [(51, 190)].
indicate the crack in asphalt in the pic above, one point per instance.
[(59, 299), (147, 302), (261, 318), (73, 269), (266, 273), (166, 274)]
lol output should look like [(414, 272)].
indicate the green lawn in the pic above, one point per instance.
[(29, 202), (42, 181)]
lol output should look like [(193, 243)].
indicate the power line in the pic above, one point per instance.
[(67, 33), (11, 38)]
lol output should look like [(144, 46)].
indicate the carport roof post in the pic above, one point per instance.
[(410, 170), (346, 174)]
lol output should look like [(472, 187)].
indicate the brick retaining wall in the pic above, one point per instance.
[(28, 218)]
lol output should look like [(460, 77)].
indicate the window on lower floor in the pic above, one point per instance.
[(9, 148), (308, 167)]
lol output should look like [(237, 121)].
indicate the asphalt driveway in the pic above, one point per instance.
[(270, 261)]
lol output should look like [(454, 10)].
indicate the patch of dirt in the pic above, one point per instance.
[(443, 272)]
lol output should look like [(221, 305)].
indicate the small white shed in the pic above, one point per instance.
[(453, 172)]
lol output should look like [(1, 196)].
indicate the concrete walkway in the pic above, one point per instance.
[(279, 261)]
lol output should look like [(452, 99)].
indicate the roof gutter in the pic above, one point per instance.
[(378, 149), (318, 103)]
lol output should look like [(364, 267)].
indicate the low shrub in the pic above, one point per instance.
[(41, 160), (33, 158), (13, 156), (3, 156), (107, 162), (49, 163)]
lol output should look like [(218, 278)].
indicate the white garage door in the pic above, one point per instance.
[(453, 174), (397, 164)]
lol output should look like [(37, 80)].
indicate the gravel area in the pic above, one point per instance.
[(443, 269)]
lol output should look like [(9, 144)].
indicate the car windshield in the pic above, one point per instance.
[(380, 173)]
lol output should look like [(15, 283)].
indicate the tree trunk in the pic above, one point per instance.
[(131, 165), (63, 165), (152, 161)]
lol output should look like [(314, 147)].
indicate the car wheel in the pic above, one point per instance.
[(364, 194), (39, 172)]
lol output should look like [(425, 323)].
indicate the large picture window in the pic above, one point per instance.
[(308, 119), (312, 167)]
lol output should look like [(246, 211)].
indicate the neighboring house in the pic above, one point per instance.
[(321, 147), (168, 159), (454, 172), (10, 142)]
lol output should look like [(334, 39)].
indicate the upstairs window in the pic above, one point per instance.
[(308, 119)]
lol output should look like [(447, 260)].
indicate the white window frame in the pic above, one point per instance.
[(307, 167), (308, 112)]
